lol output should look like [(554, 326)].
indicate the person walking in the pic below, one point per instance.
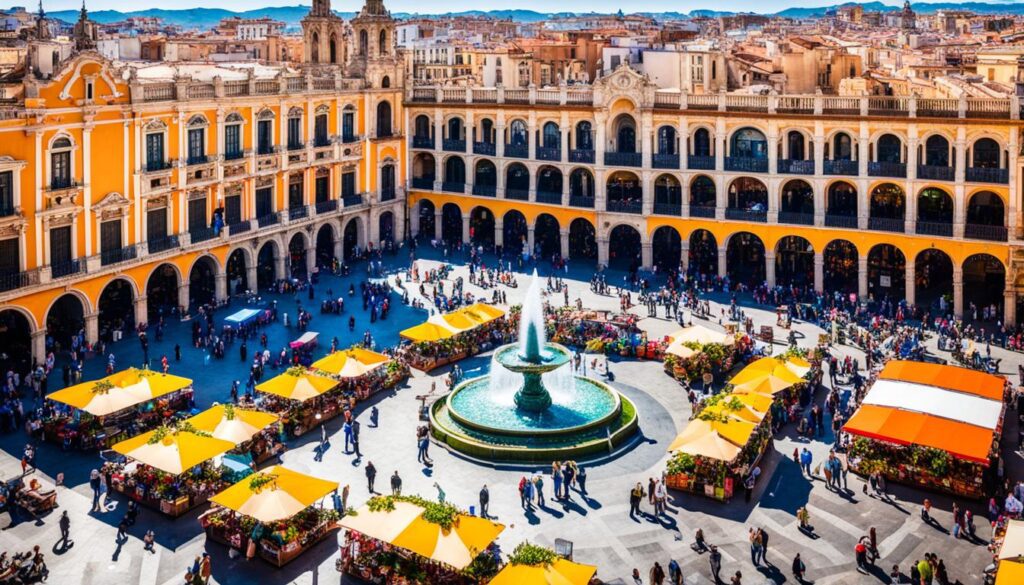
[(122, 530), (755, 547), (538, 483), (763, 535), (148, 541), (715, 560), (804, 517), (396, 484), (799, 568), (636, 495), (737, 579), (485, 498), (205, 570), (657, 574), (94, 483), (581, 479), (371, 474), (65, 529), (660, 498)]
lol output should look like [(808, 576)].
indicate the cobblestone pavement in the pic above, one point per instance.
[(599, 524)]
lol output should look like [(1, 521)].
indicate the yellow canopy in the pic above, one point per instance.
[(119, 391), (711, 446), (759, 402), (242, 426), (351, 363), (716, 439), (428, 331), (764, 368), (485, 313), (798, 366), (677, 348), (560, 572), (175, 453), (744, 412), (457, 321), (301, 387), (1010, 573), (1013, 542), (288, 493), (405, 528), (702, 335), (769, 385)]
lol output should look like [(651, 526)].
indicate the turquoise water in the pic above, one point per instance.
[(581, 403)]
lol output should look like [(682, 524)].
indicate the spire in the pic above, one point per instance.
[(42, 14), (84, 14)]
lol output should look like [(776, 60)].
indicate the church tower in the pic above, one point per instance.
[(323, 35), (85, 31), (373, 53)]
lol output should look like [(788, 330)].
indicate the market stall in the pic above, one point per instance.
[(450, 337), (600, 332), (169, 469), (362, 372), (530, 564), (408, 540), (930, 425), (243, 317), (272, 513), (301, 398), (302, 348), (253, 432), (1008, 539), (93, 415), (695, 351)]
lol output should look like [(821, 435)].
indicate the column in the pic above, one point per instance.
[(769, 267), (910, 274), (529, 239), (39, 346), (311, 259), (252, 277), (465, 229), (773, 153), (565, 243), (339, 245), (141, 309), (958, 291), (531, 136), (564, 131), (862, 277), (722, 269), (438, 173), (912, 159), (684, 255), (220, 287), (499, 143), (1009, 307), (646, 129), (862, 150), (600, 142), (87, 187), (819, 271), (499, 233), (438, 228), (646, 255), (183, 300), (720, 151), (602, 251), (438, 129), (819, 156), (279, 272), (92, 327)]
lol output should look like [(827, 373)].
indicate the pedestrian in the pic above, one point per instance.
[(764, 545), (374, 414), (926, 509), (65, 529), (675, 573), (737, 579), (205, 569), (637, 579), (30, 459), (804, 517), (715, 559), (581, 479), (755, 547), (657, 574), (485, 498), (860, 552), (538, 483), (799, 568), (396, 484), (636, 495), (522, 492), (660, 498), (148, 540), (94, 483), (371, 474), (122, 530)]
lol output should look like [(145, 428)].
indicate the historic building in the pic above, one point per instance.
[(134, 190), (881, 196)]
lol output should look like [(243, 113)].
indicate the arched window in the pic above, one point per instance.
[(842, 147), (795, 144), (936, 151), (486, 131), (364, 42), (315, 48), (986, 154), (552, 138), (387, 182), (625, 134), (749, 143), (889, 149), (382, 43), (333, 47), (584, 136), (517, 133), (385, 82), (666, 140), (422, 127), (383, 120), (60, 163), (702, 142)]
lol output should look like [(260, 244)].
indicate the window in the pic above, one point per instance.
[(348, 184), (320, 130), (197, 214), (552, 135), (323, 188), (10, 256), (89, 90), (264, 202), (156, 224), (294, 132), (196, 146), (584, 137), (60, 164), (702, 142), (517, 133), (666, 140), (155, 151), (233, 141), (383, 120), (60, 246), (364, 42), (348, 126), (110, 236), (6, 194), (295, 192), (842, 147), (233, 209), (387, 183), (265, 136)]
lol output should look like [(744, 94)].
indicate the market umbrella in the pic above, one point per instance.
[(429, 331), (711, 446), (765, 385), (710, 436), (230, 423), (457, 320), (119, 391), (485, 312), (764, 368), (738, 410), (759, 402), (351, 363), (560, 572), (297, 384), (702, 335), (1013, 542), (798, 366), (274, 494), (175, 451), (1010, 573), (677, 348)]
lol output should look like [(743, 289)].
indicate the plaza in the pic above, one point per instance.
[(599, 525)]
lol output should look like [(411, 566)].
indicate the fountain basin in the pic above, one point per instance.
[(552, 356)]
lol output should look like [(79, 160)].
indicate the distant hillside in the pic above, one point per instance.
[(205, 18)]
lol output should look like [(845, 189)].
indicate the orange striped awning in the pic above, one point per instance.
[(948, 377), (903, 427)]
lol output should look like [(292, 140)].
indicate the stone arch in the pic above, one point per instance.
[(888, 148), (668, 194), (202, 278), (481, 227), (116, 308), (423, 129), (665, 140), (547, 236), (517, 181), (798, 144), (624, 192), (986, 216), (581, 183), (745, 259), (841, 202), (162, 290), (934, 212), (485, 176), (384, 119), (624, 133), (17, 326), (386, 228), (796, 202), (582, 240), (701, 143), (747, 195), (933, 281), (794, 262), (887, 207), (424, 170), (65, 318), (748, 142), (666, 248), (514, 231), (451, 224), (624, 247), (353, 239), (237, 270), (935, 150), (266, 264), (703, 195), (841, 145), (703, 253), (454, 172), (549, 180), (984, 281), (841, 263), (325, 238), (986, 153), (886, 273)]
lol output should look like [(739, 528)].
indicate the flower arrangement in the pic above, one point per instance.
[(259, 481), (526, 553), (164, 431), (229, 411), (102, 387), (681, 464), (443, 514), (295, 371)]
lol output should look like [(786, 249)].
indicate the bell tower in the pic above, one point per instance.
[(323, 35), (373, 52)]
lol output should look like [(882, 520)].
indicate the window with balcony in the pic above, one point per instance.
[(10, 262), (197, 215), (294, 132), (156, 229), (6, 193), (320, 134), (296, 189), (233, 209), (264, 202), (233, 141), (60, 163), (111, 244), (155, 155), (196, 146), (387, 182), (348, 126), (60, 247), (348, 184), (322, 188), (265, 136), (383, 120)]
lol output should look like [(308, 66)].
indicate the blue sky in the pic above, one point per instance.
[(457, 5)]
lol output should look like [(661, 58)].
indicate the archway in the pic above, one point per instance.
[(668, 195), (116, 310), (933, 281), (266, 273), (703, 253), (667, 249), (428, 229), (451, 224), (624, 131), (934, 212), (386, 228), (888, 208), (513, 232), (582, 240), (841, 263), (454, 174), (351, 239), (237, 272), (15, 341), (201, 282), (424, 170), (748, 143), (744, 260), (794, 262), (481, 227), (485, 178), (624, 248), (797, 204), (986, 217), (887, 269), (162, 291), (64, 320), (325, 246), (984, 284), (549, 184), (841, 204), (581, 186), (297, 257), (624, 192), (547, 236), (702, 197), (517, 181), (748, 195)]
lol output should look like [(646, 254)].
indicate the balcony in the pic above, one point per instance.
[(796, 218), (62, 269), (746, 164), (746, 215), (352, 200), (240, 227), (157, 245), (700, 163), (485, 190), (202, 234), (665, 161), (577, 155), (268, 220), (887, 169), (517, 194), (841, 221), (117, 255), (326, 206), (702, 211), (935, 173), (549, 198), (350, 138), (453, 186), (675, 209), (321, 142), (984, 175), (266, 150), (581, 201), (517, 150), (453, 145), (197, 159), (933, 228), (549, 153), (623, 159), (15, 280), (992, 233), (234, 155), (155, 166), (887, 224), (297, 212), (846, 168), (293, 146), (426, 183), (484, 148), (62, 183), (387, 194), (789, 166), (625, 207)]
